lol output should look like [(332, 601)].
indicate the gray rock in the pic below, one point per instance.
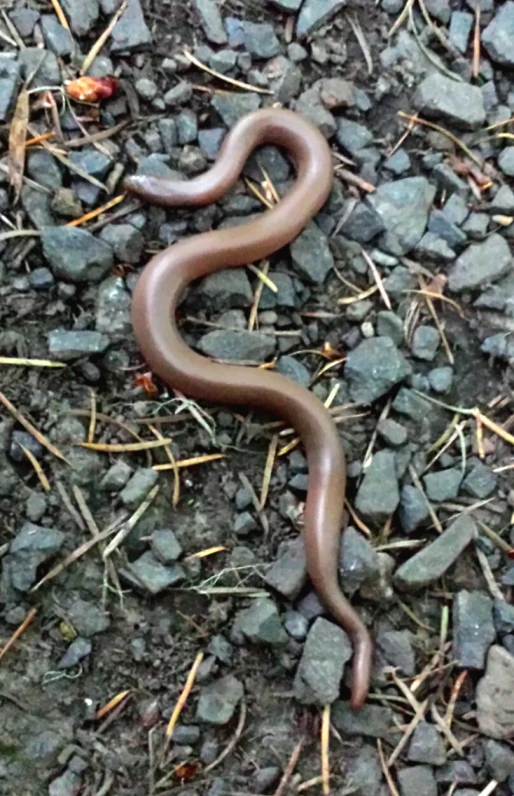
[(66, 345), (321, 667), (388, 323), (221, 649), (443, 485), (353, 136), (440, 97), (43, 64), (449, 181), (210, 142), (77, 651), (440, 9), (473, 628), (288, 574), (187, 127), (430, 563), (499, 759), (151, 575), (374, 368), (32, 546), (498, 36), (503, 614), (24, 20), (87, 618), (116, 477), (287, 5), (138, 487), (363, 224), (244, 524), (480, 482), (265, 778), (403, 206), (126, 240), (378, 495), (440, 225), (395, 648), (154, 166), (44, 168), (476, 224), (165, 546), (398, 163), (335, 92), (480, 264), (427, 745), (363, 772), (226, 289), (37, 206), (66, 203), (232, 107), (218, 701), (296, 625), (75, 255), (146, 88), (211, 21), (495, 695), (461, 24), (260, 624), (425, 342), (57, 38), (186, 734), (358, 561), (9, 82), (372, 721), (503, 200), (30, 443), (432, 247), (131, 33), (417, 779), (237, 345), (316, 13), (260, 39), (392, 432), (441, 379), (414, 510), (294, 370), (178, 95), (416, 406), (67, 783), (311, 254), (113, 318), (285, 295), (82, 14), (310, 106)]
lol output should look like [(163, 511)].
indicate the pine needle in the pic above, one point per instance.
[(264, 278), (61, 16), (184, 695), (97, 46), (239, 83), (210, 457), (377, 278), (176, 479), (92, 419), (17, 143), (18, 632), (27, 425), (460, 144), (31, 363), (125, 447), (43, 480), (268, 470), (77, 222), (325, 741), (113, 703), (476, 44)]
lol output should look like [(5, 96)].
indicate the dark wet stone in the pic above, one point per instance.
[(87, 618), (443, 485), (113, 318), (57, 38), (458, 103), (32, 546), (186, 734), (288, 574), (116, 477), (232, 107), (499, 759), (320, 671), (403, 206), (138, 487), (294, 370), (82, 14), (237, 345), (316, 13), (480, 482), (165, 546), (151, 575), (226, 289), (75, 255), (461, 24), (473, 628), (211, 21), (9, 82), (427, 745), (395, 648), (414, 509), (480, 264), (425, 342), (495, 695), (44, 168), (430, 563), (373, 368), (311, 254), (358, 561), (131, 33), (260, 624), (372, 721), (392, 432), (66, 346), (498, 36), (23, 438), (218, 701), (417, 779), (260, 40), (378, 495), (77, 651)]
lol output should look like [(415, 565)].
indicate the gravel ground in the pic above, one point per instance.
[(120, 582)]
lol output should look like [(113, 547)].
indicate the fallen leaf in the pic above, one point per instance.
[(17, 139), (92, 89), (145, 380)]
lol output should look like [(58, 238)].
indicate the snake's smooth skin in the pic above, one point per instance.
[(159, 289)]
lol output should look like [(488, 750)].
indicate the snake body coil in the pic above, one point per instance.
[(158, 292)]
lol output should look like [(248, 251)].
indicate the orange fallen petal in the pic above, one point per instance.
[(92, 89)]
